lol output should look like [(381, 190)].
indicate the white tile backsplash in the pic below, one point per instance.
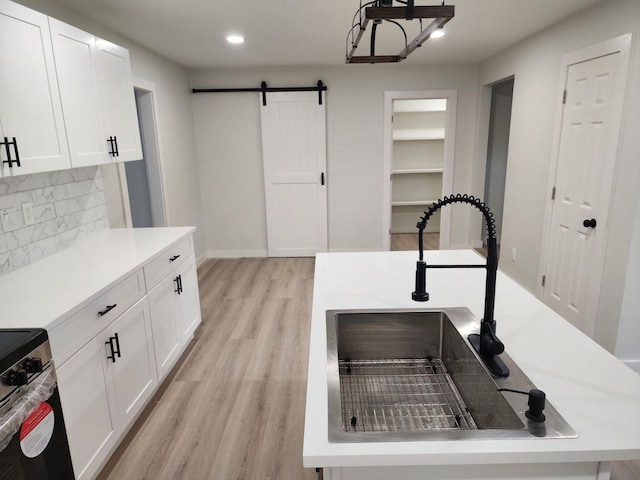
[(68, 206)]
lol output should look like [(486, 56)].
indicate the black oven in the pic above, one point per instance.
[(33, 440)]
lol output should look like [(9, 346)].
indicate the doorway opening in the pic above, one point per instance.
[(497, 152), (419, 139), (144, 177)]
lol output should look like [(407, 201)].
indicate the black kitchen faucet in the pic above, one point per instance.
[(486, 343)]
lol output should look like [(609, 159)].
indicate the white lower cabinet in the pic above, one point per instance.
[(175, 313), (111, 354), (132, 368), (165, 331), (105, 385), (86, 395), (189, 315)]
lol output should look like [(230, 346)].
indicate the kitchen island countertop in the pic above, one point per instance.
[(597, 394)]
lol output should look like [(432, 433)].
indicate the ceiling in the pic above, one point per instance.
[(301, 32)]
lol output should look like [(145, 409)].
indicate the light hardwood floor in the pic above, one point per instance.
[(233, 408), (409, 241)]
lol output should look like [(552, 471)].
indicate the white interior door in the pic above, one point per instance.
[(586, 165), (294, 155)]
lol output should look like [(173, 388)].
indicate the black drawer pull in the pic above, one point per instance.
[(107, 310), (178, 281), (174, 258)]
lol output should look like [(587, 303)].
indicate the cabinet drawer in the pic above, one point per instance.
[(67, 338), (169, 259)]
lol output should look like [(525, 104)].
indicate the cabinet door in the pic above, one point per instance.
[(85, 396), (133, 372), (164, 310), (118, 106), (189, 300), (75, 54), (30, 108)]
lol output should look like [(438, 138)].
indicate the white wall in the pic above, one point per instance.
[(229, 149), (629, 333), (173, 104), (536, 63)]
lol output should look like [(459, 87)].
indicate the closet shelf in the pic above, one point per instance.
[(418, 134), (407, 171), (410, 203)]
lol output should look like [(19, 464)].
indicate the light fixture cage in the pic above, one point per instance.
[(378, 11)]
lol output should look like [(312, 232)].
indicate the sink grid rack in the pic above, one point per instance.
[(400, 395)]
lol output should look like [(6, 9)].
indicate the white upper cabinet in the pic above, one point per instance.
[(75, 56), (65, 95), (97, 97), (118, 105), (30, 109)]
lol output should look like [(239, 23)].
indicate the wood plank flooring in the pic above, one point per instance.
[(233, 408), (409, 241)]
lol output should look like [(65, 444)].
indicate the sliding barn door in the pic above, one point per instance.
[(294, 155)]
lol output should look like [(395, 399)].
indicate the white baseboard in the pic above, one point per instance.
[(355, 250), (201, 259), (236, 253), (633, 365)]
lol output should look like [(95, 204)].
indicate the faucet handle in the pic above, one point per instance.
[(492, 344)]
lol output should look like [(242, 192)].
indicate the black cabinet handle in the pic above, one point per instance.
[(7, 150), (178, 281), (15, 149), (174, 258), (108, 309), (113, 146), (322, 178), (115, 349), (590, 223)]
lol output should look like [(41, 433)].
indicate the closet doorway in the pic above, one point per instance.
[(419, 139)]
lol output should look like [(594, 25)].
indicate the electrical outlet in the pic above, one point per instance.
[(10, 220), (513, 254), (27, 212)]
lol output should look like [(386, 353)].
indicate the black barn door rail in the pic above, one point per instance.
[(320, 87)]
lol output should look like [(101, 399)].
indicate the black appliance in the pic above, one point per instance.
[(33, 439)]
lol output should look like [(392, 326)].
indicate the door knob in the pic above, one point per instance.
[(590, 223)]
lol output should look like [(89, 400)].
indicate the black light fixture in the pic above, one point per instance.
[(380, 11)]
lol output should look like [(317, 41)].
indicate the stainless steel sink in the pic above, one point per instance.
[(409, 375)]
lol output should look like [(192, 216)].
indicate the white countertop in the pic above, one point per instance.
[(596, 394), (42, 294)]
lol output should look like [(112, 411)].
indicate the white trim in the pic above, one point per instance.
[(604, 471), (150, 87), (481, 155), (633, 365), (124, 191), (201, 259), (449, 158), (236, 253), (621, 45)]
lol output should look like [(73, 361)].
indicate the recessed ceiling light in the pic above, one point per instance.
[(439, 32), (235, 39)]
